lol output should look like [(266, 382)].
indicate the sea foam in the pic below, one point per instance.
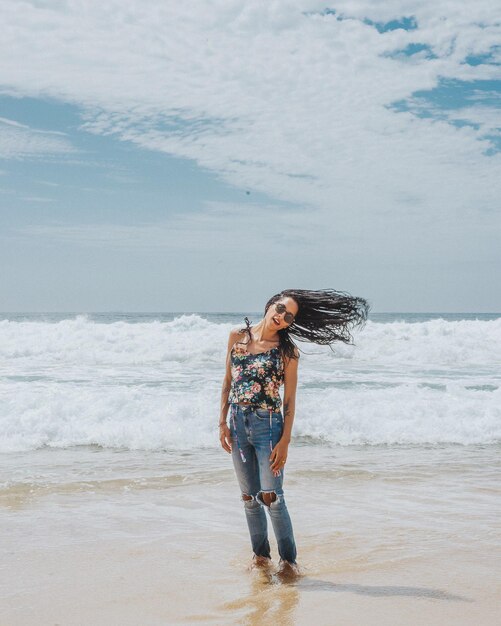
[(156, 385)]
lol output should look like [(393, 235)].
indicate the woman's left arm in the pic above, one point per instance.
[(279, 453)]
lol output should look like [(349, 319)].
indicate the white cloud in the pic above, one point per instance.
[(276, 97), (47, 183), (488, 118), (218, 224), (263, 94), (20, 141)]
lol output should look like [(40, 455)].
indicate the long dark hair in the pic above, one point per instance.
[(324, 316)]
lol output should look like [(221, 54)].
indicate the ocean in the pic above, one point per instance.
[(109, 458), (153, 381)]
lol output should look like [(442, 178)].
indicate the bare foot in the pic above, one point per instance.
[(260, 562), (288, 572)]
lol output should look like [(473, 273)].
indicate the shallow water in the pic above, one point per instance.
[(423, 520), (437, 490)]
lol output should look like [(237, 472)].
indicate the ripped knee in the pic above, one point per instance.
[(250, 501), (266, 497)]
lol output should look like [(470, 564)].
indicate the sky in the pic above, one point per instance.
[(202, 156)]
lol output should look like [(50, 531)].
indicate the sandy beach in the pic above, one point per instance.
[(117, 505), (292, 206), (386, 536)]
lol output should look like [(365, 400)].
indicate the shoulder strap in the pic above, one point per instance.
[(248, 329)]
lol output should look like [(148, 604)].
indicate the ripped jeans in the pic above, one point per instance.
[(253, 434)]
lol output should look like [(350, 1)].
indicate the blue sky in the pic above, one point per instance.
[(154, 157)]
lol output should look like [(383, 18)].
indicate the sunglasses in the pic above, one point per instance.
[(288, 317)]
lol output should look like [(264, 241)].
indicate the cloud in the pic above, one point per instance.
[(218, 224), (47, 183), (19, 141), (284, 98)]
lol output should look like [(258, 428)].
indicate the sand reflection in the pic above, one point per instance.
[(269, 601)]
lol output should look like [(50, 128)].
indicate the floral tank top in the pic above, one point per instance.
[(256, 378)]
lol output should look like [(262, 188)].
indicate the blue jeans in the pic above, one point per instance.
[(253, 434)]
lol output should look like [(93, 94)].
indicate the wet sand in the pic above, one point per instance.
[(108, 582), (385, 536)]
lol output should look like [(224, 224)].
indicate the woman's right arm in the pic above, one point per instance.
[(224, 431)]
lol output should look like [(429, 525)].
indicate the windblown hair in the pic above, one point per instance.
[(324, 317)]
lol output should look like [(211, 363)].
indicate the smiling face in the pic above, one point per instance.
[(274, 319)]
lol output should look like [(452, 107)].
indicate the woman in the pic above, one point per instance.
[(260, 359)]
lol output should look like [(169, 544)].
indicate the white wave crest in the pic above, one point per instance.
[(156, 385)]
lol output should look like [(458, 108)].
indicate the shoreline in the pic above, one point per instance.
[(385, 536), (150, 582)]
